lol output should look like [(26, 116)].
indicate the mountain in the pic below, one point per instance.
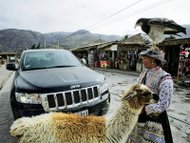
[(79, 38), (15, 39), (18, 40)]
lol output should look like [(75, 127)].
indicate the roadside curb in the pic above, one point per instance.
[(134, 73)]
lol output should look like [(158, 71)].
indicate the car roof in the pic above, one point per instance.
[(41, 50)]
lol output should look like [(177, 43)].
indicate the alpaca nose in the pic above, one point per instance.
[(155, 96)]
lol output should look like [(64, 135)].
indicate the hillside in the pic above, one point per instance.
[(15, 39)]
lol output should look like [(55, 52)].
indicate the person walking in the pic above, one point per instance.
[(153, 124)]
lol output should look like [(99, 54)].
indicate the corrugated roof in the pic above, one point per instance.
[(140, 39), (97, 46)]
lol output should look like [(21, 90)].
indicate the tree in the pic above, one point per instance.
[(35, 47), (125, 37)]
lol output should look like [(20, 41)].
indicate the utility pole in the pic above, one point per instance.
[(44, 43), (57, 43)]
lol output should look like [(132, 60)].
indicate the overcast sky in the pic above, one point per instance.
[(98, 16)]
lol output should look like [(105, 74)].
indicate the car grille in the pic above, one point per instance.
[(70, 99)]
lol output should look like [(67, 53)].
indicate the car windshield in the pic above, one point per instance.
[(48, 59)]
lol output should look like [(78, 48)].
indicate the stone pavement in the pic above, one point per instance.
[(118, 71), (125, 72), (6, 117), (4, 75), (178, 112)]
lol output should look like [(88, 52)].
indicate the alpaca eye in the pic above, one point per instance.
[(146, 94)]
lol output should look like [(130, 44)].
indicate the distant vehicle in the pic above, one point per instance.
[(48, 80), (12, 60)]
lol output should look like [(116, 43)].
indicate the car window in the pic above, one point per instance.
[(48, 59)]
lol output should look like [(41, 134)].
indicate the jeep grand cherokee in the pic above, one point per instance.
[(48, 80)]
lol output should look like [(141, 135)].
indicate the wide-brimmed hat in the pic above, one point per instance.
[(155, 54)]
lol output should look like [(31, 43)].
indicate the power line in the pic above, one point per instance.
[(145, 9), (115, 14), (152, 6)]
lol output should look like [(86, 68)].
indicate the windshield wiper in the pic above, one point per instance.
[(62, 66), (39, 68)]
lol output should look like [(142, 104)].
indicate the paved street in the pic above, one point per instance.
[(4, 75), (6, 118), (179, 110), (117, 82)]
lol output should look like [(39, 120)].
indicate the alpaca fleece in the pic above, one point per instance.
[(71, 128)]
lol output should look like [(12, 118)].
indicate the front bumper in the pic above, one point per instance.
[(22, 109)]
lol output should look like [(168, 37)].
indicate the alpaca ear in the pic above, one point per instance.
[(130, 95), (137, 87), (132, 91)]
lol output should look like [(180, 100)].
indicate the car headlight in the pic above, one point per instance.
[(32, 98), (103, 87)]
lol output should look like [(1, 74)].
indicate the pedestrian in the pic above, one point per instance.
[(153, 124), (83, 60), (91, 59)]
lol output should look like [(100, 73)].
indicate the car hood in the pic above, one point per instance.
[(57, 78)]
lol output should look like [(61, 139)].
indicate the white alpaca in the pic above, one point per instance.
[(71, 128)]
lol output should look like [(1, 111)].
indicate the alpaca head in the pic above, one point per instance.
[(139, 95)]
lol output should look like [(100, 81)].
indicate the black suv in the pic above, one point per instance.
[(49, 80)]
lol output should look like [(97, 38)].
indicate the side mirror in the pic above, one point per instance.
[(12, 67)]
